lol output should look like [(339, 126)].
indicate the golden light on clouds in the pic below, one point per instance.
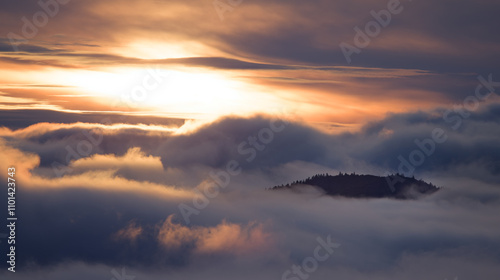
[(161, 49), (227, 238), (144, 138), (246, 64), (82, 173)]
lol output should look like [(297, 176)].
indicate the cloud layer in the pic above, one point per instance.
[(118, 205)]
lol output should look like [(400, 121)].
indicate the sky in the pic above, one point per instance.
[(144, 135)]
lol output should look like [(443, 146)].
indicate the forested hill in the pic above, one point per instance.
[(365, 186)]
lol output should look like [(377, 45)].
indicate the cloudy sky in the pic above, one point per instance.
[(144, 135)]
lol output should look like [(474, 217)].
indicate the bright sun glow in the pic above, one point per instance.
[(150, 49), (189, 93)]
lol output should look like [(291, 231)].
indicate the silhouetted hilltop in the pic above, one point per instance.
[(365, 186)]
